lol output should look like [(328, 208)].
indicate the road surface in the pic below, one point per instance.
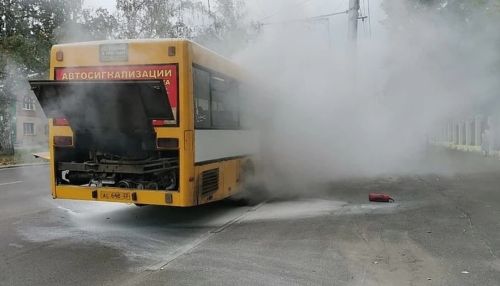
[(442, 230)]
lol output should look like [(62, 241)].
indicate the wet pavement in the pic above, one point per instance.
[(441, 230)]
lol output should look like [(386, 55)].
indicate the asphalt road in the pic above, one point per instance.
[(442, 230)]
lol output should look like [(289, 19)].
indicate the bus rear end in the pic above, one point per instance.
[(115, 133)]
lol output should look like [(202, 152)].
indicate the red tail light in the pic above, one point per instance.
[(60, 122), (159, 122), (63, 141), (167, 143)]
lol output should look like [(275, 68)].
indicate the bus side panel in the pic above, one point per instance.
[(52, 160), (231, 176), (213, 144), (187, 186), (228, 180), (205, 193), (52, 163), (186, 172)]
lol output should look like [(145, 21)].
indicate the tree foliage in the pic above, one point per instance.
[(28, 28), (154, 18), (220, 27), (227, 30), (460, 10)]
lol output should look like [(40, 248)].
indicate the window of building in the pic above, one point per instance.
[(216, 101), (28, 103), (28, 128)]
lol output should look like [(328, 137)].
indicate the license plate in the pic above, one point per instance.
[(115, 196)]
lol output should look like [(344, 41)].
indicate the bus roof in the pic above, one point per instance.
[(201, 56)]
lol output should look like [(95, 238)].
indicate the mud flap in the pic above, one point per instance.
[(42, 155)]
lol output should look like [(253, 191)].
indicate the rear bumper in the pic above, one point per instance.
[(127, 196)]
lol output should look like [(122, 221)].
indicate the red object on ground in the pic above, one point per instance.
[(380, 197)]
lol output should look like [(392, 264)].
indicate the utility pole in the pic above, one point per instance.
[(352, 33), (353, 16)]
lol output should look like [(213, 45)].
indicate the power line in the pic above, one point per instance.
[(331, 14), (307, 19)]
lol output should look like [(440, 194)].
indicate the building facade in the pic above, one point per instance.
[(31, 123)]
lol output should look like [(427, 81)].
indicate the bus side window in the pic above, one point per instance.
[(225, 107), (201, 82)]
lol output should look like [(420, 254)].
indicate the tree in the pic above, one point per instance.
[(28, 29), (228, 30), (6, 120), (99, 24), (222, 29), (154, 18)]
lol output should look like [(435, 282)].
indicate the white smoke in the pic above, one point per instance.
[(331, 112)]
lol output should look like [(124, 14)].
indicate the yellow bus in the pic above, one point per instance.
[(149, 122)]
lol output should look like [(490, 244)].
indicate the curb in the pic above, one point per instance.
[(23, 165)]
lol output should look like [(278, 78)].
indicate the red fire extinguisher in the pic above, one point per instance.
[(380, 197)]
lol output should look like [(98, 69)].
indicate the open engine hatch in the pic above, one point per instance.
[(101, 113), (124, 105)]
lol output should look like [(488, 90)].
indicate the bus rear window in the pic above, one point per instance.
[(167, 73)]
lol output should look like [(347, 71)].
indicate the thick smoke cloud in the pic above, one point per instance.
[(330, 112)]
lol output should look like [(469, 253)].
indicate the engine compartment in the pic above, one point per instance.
[(113, 141), (155, 170)]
